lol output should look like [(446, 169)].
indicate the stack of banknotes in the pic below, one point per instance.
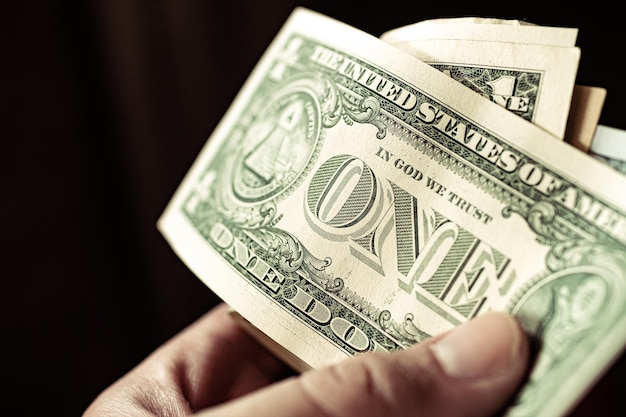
[(364, 194)]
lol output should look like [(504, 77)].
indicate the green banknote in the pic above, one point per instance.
[(505, 62), (355, 199)]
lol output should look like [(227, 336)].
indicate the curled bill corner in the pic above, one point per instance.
[(610, 142)]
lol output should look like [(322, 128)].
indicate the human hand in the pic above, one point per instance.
[(213, 368)]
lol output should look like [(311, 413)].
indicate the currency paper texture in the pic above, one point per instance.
[(355, 199), (533, 80)]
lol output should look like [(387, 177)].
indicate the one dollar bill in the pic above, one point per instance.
[(355, 199), (505, 62)]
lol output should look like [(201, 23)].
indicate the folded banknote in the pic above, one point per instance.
[(354, 199)]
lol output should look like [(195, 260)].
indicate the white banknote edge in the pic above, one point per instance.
[(453, 29), (610, 142)]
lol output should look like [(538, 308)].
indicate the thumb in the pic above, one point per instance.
[(471, 370)]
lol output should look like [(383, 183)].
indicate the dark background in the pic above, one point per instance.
[(105, 105)]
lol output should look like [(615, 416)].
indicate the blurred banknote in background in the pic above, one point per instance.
[(609, 146)]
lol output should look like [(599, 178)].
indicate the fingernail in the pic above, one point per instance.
[(481, 348)]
